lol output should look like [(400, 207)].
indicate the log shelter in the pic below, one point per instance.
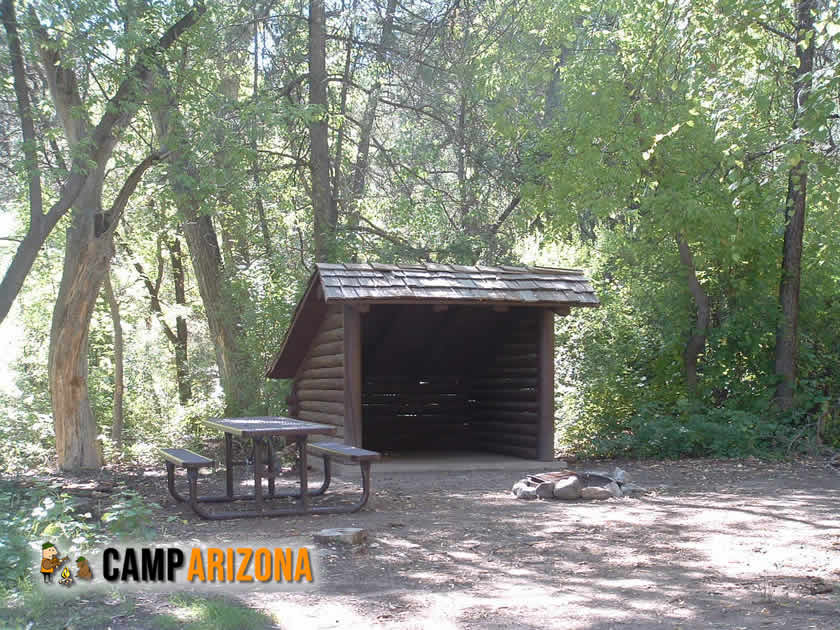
[(422, 357)]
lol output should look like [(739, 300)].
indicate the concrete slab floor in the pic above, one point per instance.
[(442, 461)]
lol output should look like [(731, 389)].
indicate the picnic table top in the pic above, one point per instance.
[(267, 426)]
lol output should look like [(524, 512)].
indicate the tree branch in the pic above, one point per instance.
[(117, 113), (776, 31), (30, 152), (371, 228), (494, 229), (154, 299), (112, 216)]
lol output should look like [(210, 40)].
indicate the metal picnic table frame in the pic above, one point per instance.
[(261, 430)]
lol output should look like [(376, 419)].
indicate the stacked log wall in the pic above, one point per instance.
[(504, 402), (319, 385), (414, 412)]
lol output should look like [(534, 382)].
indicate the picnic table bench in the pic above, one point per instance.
[(346, 454), (261, 430)]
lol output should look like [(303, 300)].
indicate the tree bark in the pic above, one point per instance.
[(323, 209), (787, 332), (86, 260), (697, 341), (119, 386), (182, 366)]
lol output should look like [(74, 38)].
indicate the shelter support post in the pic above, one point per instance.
[(545, 385), (352, 377)]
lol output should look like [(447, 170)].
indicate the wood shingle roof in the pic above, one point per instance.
[(436, 283)]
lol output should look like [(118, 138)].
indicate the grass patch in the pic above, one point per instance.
[(29, 607), (214, 613)]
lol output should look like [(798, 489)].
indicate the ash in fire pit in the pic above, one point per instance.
[(569, 485)]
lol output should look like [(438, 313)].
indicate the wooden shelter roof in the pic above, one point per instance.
[(424, 284), (438, 283)]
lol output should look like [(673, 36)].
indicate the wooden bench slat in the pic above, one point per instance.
[(185, 457), (339, 450)]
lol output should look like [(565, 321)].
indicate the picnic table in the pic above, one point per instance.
[(261, 430)]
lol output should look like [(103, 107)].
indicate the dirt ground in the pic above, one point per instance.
[(715, 544)]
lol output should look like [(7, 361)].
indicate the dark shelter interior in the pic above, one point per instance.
[(452, 377)]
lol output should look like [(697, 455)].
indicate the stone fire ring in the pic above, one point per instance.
[(569, 485)]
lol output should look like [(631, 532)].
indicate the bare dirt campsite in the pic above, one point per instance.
[(714, 544)]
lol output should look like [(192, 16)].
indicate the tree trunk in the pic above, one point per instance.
[(86, 261), (361, 166), (787, 332), (182, 368), (323, 209), (697, 341), (114, 308), (178, 339), (40, 225), (258, 201)]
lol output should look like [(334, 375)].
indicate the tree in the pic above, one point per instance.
[(89, 243), (118, 419), (324, 207), (787, 333)]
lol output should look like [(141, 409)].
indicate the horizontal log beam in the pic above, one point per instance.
[(525, 358), (326, 361), (327, 336), (327, 372), (326, 418), (506, 381), (515, 405), (504, 394), (322, 407), (524, 417), (325, 349), (518, 439), (519, 348), (512, 371), (333, 321), (326, 395), (502, 427), (334, 384)]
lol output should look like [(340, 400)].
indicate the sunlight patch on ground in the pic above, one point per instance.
[(309, 614)]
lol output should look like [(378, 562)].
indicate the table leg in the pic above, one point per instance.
[(304, 473), (229, 465), (271, 471), (258, 496)]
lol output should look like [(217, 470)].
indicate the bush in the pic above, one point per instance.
[(688, 430), (38, 512)]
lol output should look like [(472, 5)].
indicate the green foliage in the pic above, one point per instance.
[(27, 433), (128, 516), (687, 430), (33, 512)]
